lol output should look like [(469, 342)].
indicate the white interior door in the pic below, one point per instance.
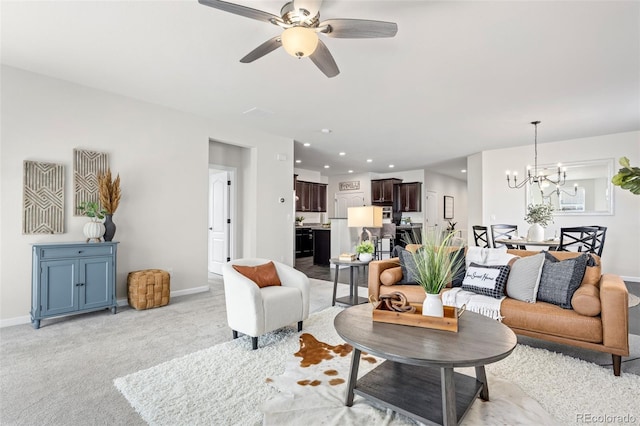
[(219, 216), (431, 211), (346, 200)]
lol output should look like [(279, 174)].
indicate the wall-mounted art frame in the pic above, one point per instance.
[(43, 198), (349, 186), (448, 207), (87, 166)]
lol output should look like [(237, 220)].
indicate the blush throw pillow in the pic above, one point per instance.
[(524, 278), (560, 279), (263, 275), (488, 280)]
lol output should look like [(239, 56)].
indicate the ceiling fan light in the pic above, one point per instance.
[(299, 41)]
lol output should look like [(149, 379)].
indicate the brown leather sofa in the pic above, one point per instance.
[(603, 300)]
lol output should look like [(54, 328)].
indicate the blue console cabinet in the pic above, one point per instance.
[(70, 278)]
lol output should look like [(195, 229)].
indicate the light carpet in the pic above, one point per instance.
[(228, 384)]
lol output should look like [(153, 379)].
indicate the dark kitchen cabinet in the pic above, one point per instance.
[(382, 191), (311, 197), (321, 246), (409, 197), (304, 242)]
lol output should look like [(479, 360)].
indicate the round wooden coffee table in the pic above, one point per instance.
[(417, 379)]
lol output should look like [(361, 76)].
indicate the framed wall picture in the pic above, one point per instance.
[(43, 198), (448, 207)]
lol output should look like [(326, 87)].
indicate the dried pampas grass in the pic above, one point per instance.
[(109, 192)]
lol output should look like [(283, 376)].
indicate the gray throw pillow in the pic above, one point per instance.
[(488, 280), (408, 265), (560, 279), (524, 278)]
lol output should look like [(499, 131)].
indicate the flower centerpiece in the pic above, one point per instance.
[(365, 251), (437, 261), (110, 199), (538, 216), (94, 229)]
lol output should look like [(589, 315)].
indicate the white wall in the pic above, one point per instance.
[(162, 158), (500, 204), (445, 185), (334, 187)]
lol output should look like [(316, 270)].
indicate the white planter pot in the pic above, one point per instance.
[(93, 230), (535, 233), (365, 257), (432, 306)]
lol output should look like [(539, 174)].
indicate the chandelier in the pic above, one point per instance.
[(542, 180)]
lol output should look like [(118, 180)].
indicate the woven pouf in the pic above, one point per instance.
[(148, 288)]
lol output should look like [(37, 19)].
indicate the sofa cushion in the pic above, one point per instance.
[(560, 279), (488, 256), (263, 275), (458, 256), (586, 300), (488, 280), (408, 265), (391, 276), (524, 278), (550, 319)]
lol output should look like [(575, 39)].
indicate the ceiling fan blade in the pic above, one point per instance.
[(359, 28), (266, 47), (241, 10), (323, 60)]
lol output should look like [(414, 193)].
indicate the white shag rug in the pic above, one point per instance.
[(231, 384)]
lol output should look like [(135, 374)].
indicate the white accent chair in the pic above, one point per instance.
[(254, 311)]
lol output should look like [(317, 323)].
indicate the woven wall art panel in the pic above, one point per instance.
[(87, 166), (43, 209)]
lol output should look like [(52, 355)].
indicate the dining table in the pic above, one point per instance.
[(518, 242)]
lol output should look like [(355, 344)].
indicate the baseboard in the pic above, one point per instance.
[(26, 319), (630, 279)]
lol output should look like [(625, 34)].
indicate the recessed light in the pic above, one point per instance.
[(350, 171), (369, 160), (463, 171), (326, 166), (391, 166), (307, 144), (343, 153), (298, 161), (325, 131)]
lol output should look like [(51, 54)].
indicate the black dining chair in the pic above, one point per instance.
[(578, 238), (600, 235), (481, 236), (503, 230)]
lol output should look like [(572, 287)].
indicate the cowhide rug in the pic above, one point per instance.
[(314, 383)]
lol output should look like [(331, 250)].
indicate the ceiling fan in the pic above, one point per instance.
[(300, 21)]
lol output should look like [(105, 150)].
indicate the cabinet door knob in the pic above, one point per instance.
[(79, 251)]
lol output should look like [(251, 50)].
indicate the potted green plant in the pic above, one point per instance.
[(93, 230), (538, 216), (365, 251), (436, 262), (627, 177), (299, 220)]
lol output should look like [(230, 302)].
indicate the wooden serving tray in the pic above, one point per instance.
[(447, 323)]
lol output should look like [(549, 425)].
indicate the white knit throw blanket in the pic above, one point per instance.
[(483, 305)]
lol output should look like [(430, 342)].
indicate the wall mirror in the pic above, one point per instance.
[(587, 191)]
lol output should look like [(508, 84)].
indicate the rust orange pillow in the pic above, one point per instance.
[(263, 275)]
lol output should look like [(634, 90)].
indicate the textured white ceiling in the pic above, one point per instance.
[(459, 77)]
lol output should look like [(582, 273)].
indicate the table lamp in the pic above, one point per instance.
[(365, 217)]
